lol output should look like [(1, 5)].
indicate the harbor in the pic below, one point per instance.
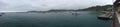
[(59, 13), (63, 19)]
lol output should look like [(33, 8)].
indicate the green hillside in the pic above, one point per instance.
[(96, 8)]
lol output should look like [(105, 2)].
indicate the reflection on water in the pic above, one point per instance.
[(65, 19)]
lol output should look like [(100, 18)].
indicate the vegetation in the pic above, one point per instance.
[(93, 8), (97, 8)]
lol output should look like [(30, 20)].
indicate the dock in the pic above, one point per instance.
[(106, 14), (103, 16)]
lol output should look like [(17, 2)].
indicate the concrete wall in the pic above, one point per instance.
[(118, 9)]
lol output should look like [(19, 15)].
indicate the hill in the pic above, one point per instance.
[(96, 8)]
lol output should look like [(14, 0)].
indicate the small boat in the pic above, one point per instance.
[(1, 14), (76, 14)]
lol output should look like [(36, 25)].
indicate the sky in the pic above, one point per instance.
[(43, 5)]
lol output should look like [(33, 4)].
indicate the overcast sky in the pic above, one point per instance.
[(25, 5)]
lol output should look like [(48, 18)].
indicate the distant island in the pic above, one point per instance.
[(93, 8)]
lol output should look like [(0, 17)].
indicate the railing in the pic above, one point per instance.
[(114, 20)]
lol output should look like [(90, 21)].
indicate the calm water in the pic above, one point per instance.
[(84, 19)]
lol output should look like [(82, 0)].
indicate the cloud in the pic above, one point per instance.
[(25, 5)]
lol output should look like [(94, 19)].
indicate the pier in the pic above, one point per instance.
[(106, 14)]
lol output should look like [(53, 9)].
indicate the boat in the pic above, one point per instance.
[(1, 14)]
